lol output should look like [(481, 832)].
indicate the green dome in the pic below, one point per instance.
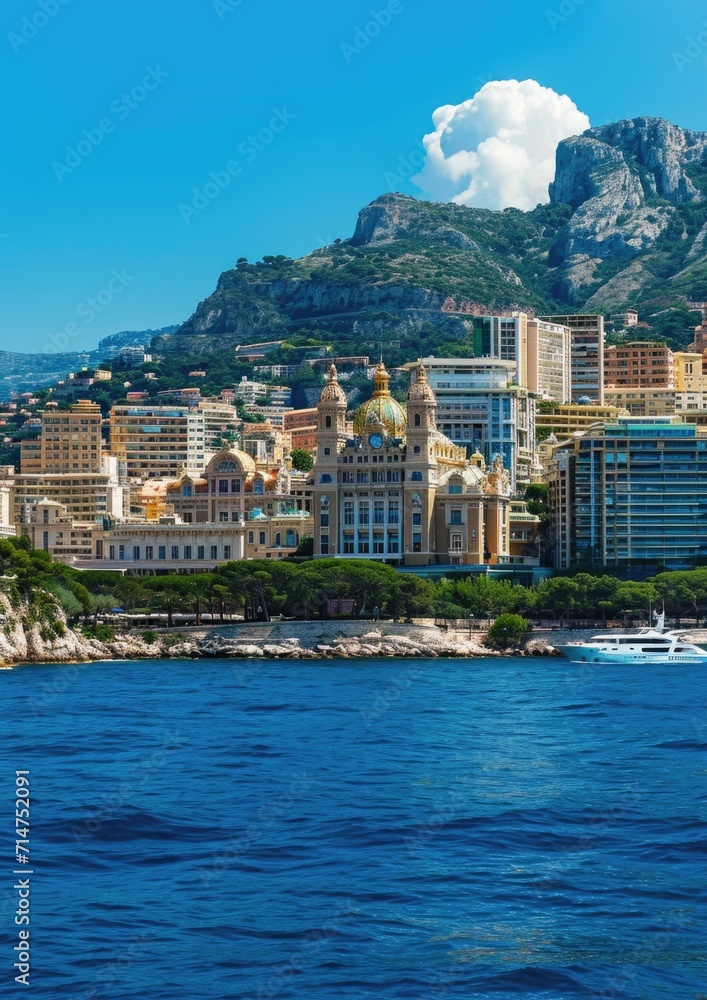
[(381, 408)]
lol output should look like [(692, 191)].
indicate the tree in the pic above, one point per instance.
[(302, 461), (507, 631)]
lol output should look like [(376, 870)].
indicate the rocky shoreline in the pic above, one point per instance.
[(24, 641)]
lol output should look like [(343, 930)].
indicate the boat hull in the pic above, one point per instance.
[(585, 654)]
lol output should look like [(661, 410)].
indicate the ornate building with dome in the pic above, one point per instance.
[(400, 491)]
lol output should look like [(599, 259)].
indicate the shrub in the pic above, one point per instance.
[(149, 636), (507, 631), (104, 633)]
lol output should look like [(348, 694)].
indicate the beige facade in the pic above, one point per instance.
[(70, 441), (399, 491), (301, 425), (549, 365), (564, 420), (157, 441), (52, 529)]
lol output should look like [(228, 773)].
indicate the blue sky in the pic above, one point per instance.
[(204, 76)]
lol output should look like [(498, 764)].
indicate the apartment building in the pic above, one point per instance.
[(633, 492), (587, 354), (158, 440), (69, 441)]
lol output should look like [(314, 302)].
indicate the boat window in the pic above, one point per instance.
[(652, 649)]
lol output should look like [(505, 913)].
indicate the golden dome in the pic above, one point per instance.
[(332, 391), (421, 390), (381, 408)]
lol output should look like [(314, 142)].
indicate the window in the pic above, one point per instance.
[(327, 421), (364, 546), (223, 516), (187, 551), (214, 551), (325, 477), (327, 451), (149, 552), (362, 477), (223, 486), (455, 516), (378, 546), (455, 542), (364, 513), (348, 512), (261, 538), (187, 518), (136, 553), (416, 477), (162, 552), (348, 546), (234, 516), (324, 520), (111, 551), (250, 537), (186, 491), (200, 552), (379, 512), (278, 540), (417, 518), (417, 450), (416, 541), (324, 545), (227, 552), (121, 552), (258, 487), (393, 543), (291, 539), (175, 552), (235, 486), (394, 512)]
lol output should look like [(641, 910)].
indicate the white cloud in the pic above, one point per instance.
[(497, 150)]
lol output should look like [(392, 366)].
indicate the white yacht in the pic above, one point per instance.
[(647, 645)]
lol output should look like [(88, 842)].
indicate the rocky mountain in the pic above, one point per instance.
[(626, 226)]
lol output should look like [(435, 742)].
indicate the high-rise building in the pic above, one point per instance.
[(587, 354), (633, 492), (70, 441), (549, 360), (158, 440), (481, 407)]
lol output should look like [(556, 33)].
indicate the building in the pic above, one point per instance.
[(625, 319), (631, 493), (642, 364), (86, 496), (398, 490), (222, 426), (277, 535), (301, 425), (158, 441), (480, 407), (51, 528), (564, 420), (587, 354), (7, 527), (549, 360), (254, 352), (70, 441), (166, 547)]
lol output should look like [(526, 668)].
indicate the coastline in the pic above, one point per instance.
[(325, 640)]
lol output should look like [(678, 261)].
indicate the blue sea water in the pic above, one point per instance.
[(399, 829)]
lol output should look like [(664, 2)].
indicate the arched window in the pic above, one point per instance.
[(258, 487), (325, 477), (417, 449), (278, 540), (291, 539), (456, 485), (324, 500), (416, 477), (327, 421), (418, 420)]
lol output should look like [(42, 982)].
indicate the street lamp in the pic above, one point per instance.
[(471, 623)]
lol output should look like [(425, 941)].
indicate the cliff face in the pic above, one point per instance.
[(624, 182), (626, 225)]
